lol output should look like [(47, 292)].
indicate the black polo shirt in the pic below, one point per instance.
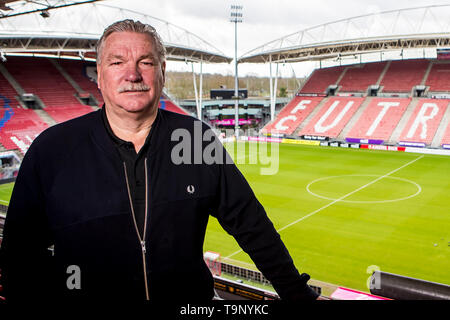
[(135, 164)]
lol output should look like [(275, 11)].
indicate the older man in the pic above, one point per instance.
[(124, 220)]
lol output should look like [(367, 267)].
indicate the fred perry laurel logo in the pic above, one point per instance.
[(190, 189)]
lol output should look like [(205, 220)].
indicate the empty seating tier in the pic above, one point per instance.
[(321, 79), (446, 138), (379, 119), (19, 127), (439, 78), (40, 77), (424, 121), (8, 92), (360, 77), (61, 114), (332, 117), (84, 74), (403, 75), (292, 115)]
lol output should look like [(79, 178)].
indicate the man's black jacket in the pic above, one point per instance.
[(71, 193)]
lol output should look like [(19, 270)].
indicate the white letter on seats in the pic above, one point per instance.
[(279, 125), (422, 119), (300, 106), (321, 129), (386, 105)]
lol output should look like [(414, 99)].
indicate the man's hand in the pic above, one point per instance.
[(322, 298)]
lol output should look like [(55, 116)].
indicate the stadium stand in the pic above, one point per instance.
[(439, 78), (379, 119), (61, 114), (403, 75), (165, 103), (8, 92), (78, 72), (40, 77), (319, 81), (294, 113), (424, 121), (22, 126), (332, 117), (358, 78), (408, 121), (446, 137)]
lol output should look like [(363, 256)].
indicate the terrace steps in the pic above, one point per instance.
[(403, 121), (436, 142), (66, 75), (45, 117), (427, 73), (310, 116), (342, 75), (386, 68), (355, 118), (12, 81)]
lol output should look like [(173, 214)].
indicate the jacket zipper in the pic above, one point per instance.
[(141, 239)]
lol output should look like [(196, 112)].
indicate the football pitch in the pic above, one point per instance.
[(344, 212), (5, 193)]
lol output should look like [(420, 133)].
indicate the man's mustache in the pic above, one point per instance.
[(137, 86)]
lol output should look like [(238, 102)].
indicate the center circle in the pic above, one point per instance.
[(417, 186)]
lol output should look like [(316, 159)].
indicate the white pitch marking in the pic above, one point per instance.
[(419, 189), (339, 199)]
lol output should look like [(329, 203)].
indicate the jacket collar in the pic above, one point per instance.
[(101, 136)]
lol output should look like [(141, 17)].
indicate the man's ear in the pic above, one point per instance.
[(98, 76), (163, 71)]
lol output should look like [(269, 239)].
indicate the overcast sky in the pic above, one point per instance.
[(263, 21)]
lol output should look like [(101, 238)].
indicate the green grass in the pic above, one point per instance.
[(337, 241), (5, 192)]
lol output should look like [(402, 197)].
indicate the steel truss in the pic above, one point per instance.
[(12, 8)]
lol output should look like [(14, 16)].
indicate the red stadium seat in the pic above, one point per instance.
[(319, 81), (21, 129), (446, 138), (332, 117), (379, 119), (78, 72), (292, 115), (403, 75), (424, 121), (8, 92), (439, 78), (61, 114), (360, 77), (40, 77)]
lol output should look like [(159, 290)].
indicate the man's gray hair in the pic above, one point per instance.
[(129, 25)]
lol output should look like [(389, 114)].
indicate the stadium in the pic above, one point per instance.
[(361, 152)]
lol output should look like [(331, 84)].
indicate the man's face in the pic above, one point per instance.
[(130, 75)]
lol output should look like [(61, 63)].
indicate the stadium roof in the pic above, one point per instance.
[(423, 27), (73, 31), (11, 8)]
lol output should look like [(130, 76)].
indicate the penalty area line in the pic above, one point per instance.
[(339, 199)]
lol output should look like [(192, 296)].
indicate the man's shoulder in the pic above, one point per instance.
[(66, 132)]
